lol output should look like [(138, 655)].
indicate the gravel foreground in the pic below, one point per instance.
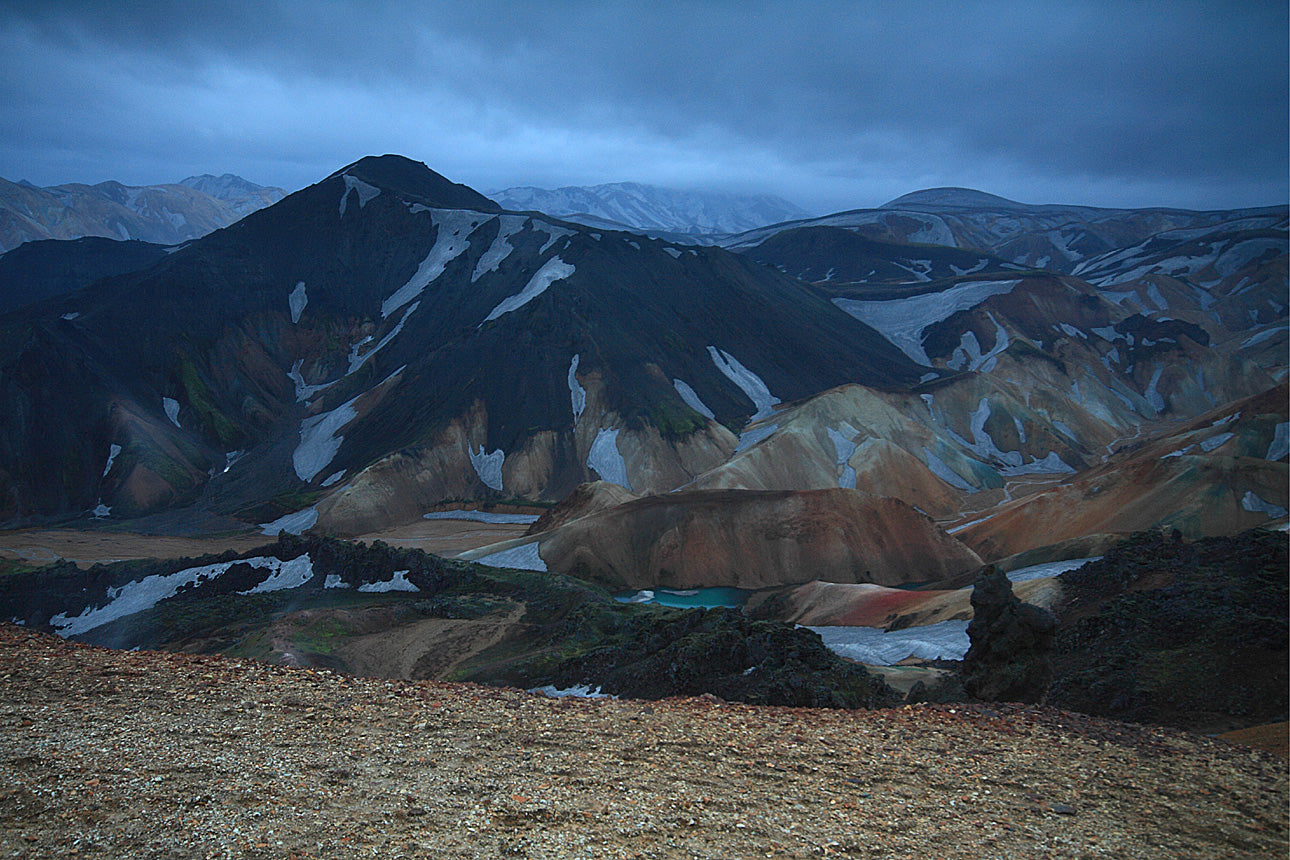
[(114, 754)]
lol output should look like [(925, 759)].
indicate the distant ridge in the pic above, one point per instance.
[(161, 214), (649, 207)]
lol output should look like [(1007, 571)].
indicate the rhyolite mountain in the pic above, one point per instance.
[(1057, 237), (389, 339), (161, 214), (633, 206)]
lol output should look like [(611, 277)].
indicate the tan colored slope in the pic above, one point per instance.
[(755, 539), (1169, 481)]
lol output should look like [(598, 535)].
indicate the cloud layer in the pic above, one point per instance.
[(832, 105)]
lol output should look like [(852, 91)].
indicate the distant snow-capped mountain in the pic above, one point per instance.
[(162, 214), (648, 207)]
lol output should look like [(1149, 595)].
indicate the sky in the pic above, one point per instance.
[(831, 105)]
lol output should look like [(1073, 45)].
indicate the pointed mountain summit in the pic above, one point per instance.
[(413, 180)]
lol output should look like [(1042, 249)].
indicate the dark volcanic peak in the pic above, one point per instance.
[(412, 179)]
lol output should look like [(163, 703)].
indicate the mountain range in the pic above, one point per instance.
[(883, 397), (160, 214), (649, 208)]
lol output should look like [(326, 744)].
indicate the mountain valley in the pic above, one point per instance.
[(844, 419)]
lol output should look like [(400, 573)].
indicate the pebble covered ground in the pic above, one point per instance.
[(116, 754)]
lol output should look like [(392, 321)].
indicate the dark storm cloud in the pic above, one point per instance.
[(833, 105)]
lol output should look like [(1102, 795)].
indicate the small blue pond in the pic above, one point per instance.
[(707, 598)]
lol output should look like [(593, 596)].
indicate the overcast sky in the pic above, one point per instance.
[(831, 105)]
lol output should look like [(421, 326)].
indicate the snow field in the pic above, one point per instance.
[(902, 321)]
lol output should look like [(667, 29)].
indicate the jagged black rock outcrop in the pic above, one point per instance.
[(1011, 641)]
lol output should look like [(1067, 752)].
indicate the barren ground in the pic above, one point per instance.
[(120, 754)]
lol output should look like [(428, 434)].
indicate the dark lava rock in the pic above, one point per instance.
[(1011, 641)]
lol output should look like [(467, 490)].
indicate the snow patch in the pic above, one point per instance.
[(297, 301), (553, 232), (1052, 568), (749, 438), (293, 524), (365, 192), (946, 640), (318, 440), (581, 691), (333, 580), (146, 593), (454, 226), (356, 361), (1050, 465), (1252, 502), (399, 582), (304, 391), (507, 226), (488, 466), (555, 269), (902, 321), (577, 394), (676, 254), (1213, 442), (1262, 336), (1280, 446), (171, 407), (844, 448), (524, 557), (944, 472), (481, 517), (692, 399), (749, 383), (286, 575), (605, 458), (333, 478), (113, 450)]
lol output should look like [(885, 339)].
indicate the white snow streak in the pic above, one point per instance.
[(454, 225), (365, 192), (749, 383), (286, 575), (488, 466), (605, 458), (113, 450), (577, 394), (297, 301), (1280, 442), (555, 269), (844, 448), (749, 438), (318, 440), (508, 226), (1252, 502), (692, 399), (293, 524)]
